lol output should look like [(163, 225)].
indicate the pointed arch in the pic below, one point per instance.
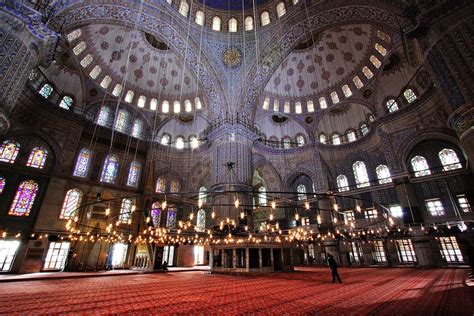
[(24, 198), (72, 201)]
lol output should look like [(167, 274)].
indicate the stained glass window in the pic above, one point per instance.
[(71, 202), (46, 90), (248, 23), (156, 214), (171, 218), (137, 128), (121, 122), (301, 189), (82, 163), (360, 174), (9, 151), (174, 188), (383, 174), (24, 198), (103, 117), (203, 194), (2, 184), (201, 221), (134, 174), (232, 25), (183, 8), (37, 158), (281, 9), (262, 196), (342, 183), (125, 210), (160, 185), (420, 166), (66, 102), (110, 168), (199, 17), (74, 35), (79, 48), (449, 159)]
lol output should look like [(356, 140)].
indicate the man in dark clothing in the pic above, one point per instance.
[(333, 265)]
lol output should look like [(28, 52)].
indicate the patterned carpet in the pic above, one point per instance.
[(307, 291)]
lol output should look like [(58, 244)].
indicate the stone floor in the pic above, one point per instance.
[(374, 291)]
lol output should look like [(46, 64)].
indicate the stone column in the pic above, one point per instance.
[(25, 42), (232, 169), (408, 201)]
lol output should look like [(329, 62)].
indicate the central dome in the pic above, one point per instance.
[(232, 5)]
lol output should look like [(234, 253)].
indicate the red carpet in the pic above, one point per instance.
[(308, 291)]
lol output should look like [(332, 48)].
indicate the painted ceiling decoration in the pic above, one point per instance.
[(148, 67), (337, 54)]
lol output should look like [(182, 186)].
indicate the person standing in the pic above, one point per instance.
[(333, 265)]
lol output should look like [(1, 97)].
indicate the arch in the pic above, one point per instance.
[(216, 23), (183, 8), (280, 9), (449, 159), (232, 25), (160, 186), (420, 166), (24, 198), (72, 201), (121, 121), (248, 23), (383, 174), (342, 183), (269, 174), (265, 18), (200, 18)]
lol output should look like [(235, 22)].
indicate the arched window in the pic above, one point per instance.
[(174, 187), (176, 107), (322, 103), (360, 174), (71, 202), (383, 174), (301, 189), (420, 166), (392, 105), (346, 90), (125, 210), (165, 106), (216, 23), (183, 8), (276, 105), (449, 159), (74, 35), (351, 136), (153, 104), (66, 102), (197, 103), (262, 196), (298, 107), (342, 183), (310, 106), (203, 194), (232, 25), (380, 49), (179, 142), (141, 101), (79, 48), (160, 185), (9, 151), (122, 120), (37, 158), (281, 9), (409, 95), (165, 139), (46, 90), (117, 90), (2, 184), (300, 140), (82, 163), (201, 221), (248, 23), (106, 81), (334, 97), (364, 129), (286, 143), (188, 107), (103, 116), (156, 214), (134, 174), (129, 96), (199, 18), (194, 142), (109, 170), (95, 72), (336, 139), (322, 138), (266, 103), (367, 72), (265, 18), (171, 218), (375, 61), (24, 198), (357, 82), (286, 107), (137, 128)]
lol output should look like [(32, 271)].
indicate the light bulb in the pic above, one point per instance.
[(148, 219), (213, 214), (335, 206), (191, 216), (274, 204), (107, 211), (242, 215), (200, 203), (335, 220), (237, 203), (134, 207), (306, 205), (297, 216), (271, 217), (358, 208), (163, 205), (318, 218)]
